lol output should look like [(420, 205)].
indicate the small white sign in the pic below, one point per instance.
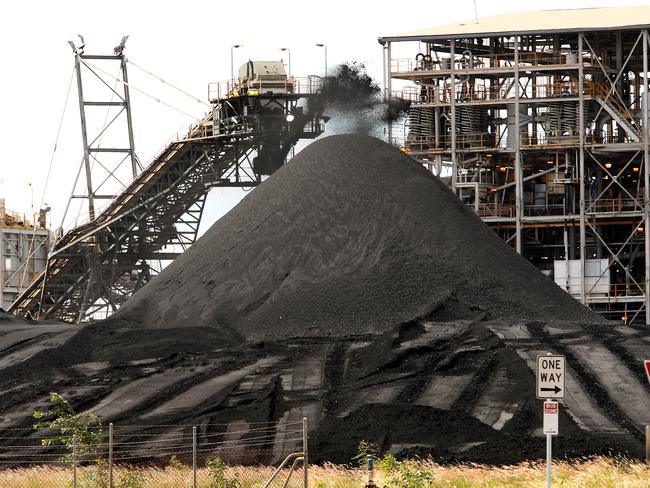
[(551, 415), (550, 376)]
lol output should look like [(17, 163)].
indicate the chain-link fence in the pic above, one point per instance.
[(233, 455)]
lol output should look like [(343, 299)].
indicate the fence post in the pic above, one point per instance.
[(305, 452), (194, 457), (110, 455), (74, 460), (647, 444)]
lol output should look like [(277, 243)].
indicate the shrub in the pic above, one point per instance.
[(131, 479), (220, 479), (85, 427), (364, 450)]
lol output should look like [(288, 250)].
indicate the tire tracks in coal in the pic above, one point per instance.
[(588, 381)]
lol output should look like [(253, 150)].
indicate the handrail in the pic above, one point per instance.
[(602, 91), (195, 131), (469, 61), (614, 205), (422, 142), (293, 456), (495, 210), (626, 289), (464, 92), (463, 139), (307, 85)]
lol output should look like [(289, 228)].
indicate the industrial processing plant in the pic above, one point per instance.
[(539, 120)]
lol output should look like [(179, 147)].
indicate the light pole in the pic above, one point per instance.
[(232, 67), (31, 189), (324, 46), (289, 54)]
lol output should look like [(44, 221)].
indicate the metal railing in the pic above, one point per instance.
[(495, 210), (600, 206), (602, 137), (480, 177), (468, 61), (309, 85), (544, 209), (542, 139), (474, 140), (603, 92), (488, 140), (627, 289), (464, 92), (614, 205)]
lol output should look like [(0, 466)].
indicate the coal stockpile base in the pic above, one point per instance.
[(353, 288)]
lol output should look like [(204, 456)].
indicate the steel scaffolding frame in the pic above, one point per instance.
[(94, 146), (566, 109)]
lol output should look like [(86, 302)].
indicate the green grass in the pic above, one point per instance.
[(596, 472)]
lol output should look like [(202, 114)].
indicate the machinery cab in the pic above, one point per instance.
[(262, 78)]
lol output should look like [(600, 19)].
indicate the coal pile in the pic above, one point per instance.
[(351, 235), (352, 287)]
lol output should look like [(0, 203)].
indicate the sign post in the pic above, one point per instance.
[(551, 415), (646, 365), (550, 386)]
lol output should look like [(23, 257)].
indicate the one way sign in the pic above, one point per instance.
[(550, 376)]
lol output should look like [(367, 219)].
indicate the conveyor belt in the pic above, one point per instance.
[(100, 264)]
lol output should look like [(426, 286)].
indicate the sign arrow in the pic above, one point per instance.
[(555, 389), (550, 377)]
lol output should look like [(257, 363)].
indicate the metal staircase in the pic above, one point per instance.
[(615, 107), (620, 119)]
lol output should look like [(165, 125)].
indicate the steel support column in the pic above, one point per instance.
[(452, 97), (385, 74), (389, 89), (646, 178), (519, 183), (84, 137), (129, 122), (581, 175), (389, 78)]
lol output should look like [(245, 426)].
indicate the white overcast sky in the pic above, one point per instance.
[(188, 44)]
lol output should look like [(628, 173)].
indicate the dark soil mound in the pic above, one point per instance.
[(351, 237)]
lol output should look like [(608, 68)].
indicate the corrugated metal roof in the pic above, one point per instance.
[(544, 21)]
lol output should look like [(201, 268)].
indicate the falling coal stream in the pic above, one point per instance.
[(356, 105)]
